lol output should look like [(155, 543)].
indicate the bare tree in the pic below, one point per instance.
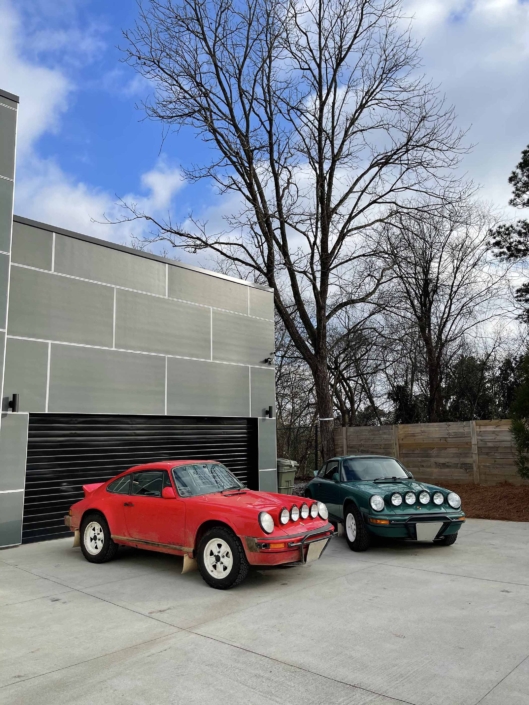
[(447, 284), (317, 117)]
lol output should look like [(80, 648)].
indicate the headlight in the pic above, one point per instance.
[(294, 513), (424, 498), (304, 511), (266, 522), (409, 498), (377, 502), (323, 511), (438, 498), (284, 516), (314, 510), (454, 500), (396, 499)]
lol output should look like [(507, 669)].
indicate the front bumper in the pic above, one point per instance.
[(405, 527), (297, 549)]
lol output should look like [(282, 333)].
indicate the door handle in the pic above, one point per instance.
[(128, 504)]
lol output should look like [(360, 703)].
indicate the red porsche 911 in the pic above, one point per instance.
[(199, 510)]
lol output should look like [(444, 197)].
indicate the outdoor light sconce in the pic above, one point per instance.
[(270, 360), (14, 403), (269, 412)]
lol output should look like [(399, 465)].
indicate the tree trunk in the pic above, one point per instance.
[(325, 408)]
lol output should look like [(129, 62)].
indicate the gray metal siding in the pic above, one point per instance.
[(267, 443), (262, 304), (199, 388), (6, 213), (32, 246), (240, 339), (88, 380), (263, 391), (11, 508), (4, 279), (102, 264), (187, 285), (59, 308), (8, 121), (153, 324), (26, 373), (13, 442)]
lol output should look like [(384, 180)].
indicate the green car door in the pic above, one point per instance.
[(327, 488)]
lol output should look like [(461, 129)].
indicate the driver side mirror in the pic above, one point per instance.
[(336, 477), (168, 493)]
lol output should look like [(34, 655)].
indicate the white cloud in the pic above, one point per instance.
[(478, 50)]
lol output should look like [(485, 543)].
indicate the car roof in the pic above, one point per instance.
[(360, 455), (167, 464)]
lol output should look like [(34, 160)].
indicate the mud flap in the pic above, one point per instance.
[(77, 539), (190, 565)]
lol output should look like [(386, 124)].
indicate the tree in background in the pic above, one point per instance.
[(444, 286), (510, 241), (520, 419), (318, 120)]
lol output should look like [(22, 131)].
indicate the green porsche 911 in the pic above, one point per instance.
[(375, 495)]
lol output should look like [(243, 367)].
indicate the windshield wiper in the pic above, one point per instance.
[(232, 487), (390, 479)]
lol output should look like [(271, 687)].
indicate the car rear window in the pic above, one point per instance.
[(120, 486)]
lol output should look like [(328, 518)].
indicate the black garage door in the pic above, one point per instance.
[(68, 451)]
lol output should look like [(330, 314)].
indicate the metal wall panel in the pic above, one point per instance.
[(268, 480), (26, 373), (6, 213), (103, 264), (153, 324), (262, 304), (4, 280), (87, 380), (49, 307), (199, 388), (263, 390), (11, 508), (8, 120), (267, 444), (201, 288), (32, 246), (13, 443), (68, 451), (240, 339)]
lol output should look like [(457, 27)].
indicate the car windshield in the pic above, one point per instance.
[(372, 469), (204, 478)]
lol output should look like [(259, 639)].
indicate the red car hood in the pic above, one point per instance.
[(249, 499)]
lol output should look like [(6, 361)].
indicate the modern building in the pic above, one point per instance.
[(110, 356)]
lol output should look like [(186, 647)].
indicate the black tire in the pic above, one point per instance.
[(91, 536), (235, 558), (447, 540), (358, 537)]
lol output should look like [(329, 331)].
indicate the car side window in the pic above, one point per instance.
[(148, 483), (322, 470), (120, 486), (332, 468)]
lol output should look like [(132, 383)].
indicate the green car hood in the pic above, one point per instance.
[(384, 488)]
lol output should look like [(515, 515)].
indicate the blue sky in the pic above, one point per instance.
[(82, 141)]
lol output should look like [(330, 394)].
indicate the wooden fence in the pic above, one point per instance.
[(479, 452)]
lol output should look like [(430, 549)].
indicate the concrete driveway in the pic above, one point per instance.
[(402, 623)]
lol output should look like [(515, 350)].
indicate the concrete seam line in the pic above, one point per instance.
[(501, 680)]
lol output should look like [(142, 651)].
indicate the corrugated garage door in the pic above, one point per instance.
[(68, 451)]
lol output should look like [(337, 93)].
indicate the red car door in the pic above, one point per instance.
[(115, 498), (150, 517)]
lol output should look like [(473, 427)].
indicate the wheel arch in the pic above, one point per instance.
[(206, 526)]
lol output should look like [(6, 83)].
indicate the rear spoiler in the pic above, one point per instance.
[(88, 489)]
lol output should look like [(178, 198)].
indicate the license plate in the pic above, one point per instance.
[(315, 550), (428, 530)]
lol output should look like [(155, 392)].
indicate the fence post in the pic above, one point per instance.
[(344, 439), (475, 457), (396, 440)]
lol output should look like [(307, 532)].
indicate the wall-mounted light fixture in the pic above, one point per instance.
[(270, 360), (14, 403), (269, 412)]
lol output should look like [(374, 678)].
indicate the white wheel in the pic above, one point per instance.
[(350, 527), (94, 538), (218, 558)]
